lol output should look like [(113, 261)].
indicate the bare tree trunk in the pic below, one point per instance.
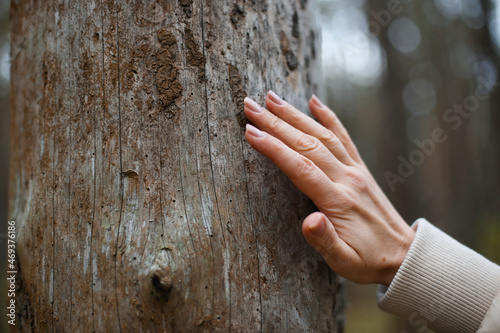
[(138, 204)]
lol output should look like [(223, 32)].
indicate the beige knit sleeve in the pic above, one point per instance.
[(491, 322), (442, 284)]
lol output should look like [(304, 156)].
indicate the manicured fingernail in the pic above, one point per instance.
[(252, 105), (254, 131), (275, 98), (317, 101)]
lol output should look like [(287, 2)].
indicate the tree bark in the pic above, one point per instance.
[(138, 204)]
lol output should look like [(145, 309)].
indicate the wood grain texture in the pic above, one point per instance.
[(139, 205)]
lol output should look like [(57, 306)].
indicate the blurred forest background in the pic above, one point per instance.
[(395, 71)]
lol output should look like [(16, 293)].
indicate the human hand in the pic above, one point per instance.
[(357, 231)]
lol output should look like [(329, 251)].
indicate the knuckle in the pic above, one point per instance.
[(305, 167), (344, 135), (274, 124), (328, 136), (276, 147), (296, 116), (356, 179), (307, 143), (335, 143)]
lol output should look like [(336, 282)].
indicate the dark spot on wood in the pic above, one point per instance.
[(172, 112), (260, 5), (238, 93), (204, 323), (291, 60), (161, 283), (251, 166), (295, 25), (130, 174), (144, 12), (194, 57), (187, 7), (84, 65), (209, 39), (303, 4), (166, 38), (114, 7), (166, 76), (237, 14), (312, 41)]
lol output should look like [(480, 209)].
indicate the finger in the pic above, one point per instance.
[(301, 171), (321, 234), (307, 125), (330, 120), (302, 143)]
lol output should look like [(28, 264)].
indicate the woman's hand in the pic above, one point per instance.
[(357, 231)]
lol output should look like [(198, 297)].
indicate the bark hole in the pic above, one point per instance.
[(291, 59), (238, 93), (195, 57), (237, 14), (186, 6), (167, 81), (162, 284)]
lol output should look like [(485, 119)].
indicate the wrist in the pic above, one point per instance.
[(404, 240)]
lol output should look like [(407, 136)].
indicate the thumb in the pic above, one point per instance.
[(321, 234)]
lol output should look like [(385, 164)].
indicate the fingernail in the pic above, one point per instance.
[(252, 105), (317, 101), (316, 228), (254, 131), (275, 98)]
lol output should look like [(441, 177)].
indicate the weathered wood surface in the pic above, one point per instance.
[(139, 205)]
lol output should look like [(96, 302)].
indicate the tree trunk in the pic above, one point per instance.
[(138, 204)]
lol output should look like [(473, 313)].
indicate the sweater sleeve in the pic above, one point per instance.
[(442, 284), (491, 322)]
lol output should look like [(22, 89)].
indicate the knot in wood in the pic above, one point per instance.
[(161, 283)]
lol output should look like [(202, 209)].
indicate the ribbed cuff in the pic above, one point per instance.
[(442, 284)]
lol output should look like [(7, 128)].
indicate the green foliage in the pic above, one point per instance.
[(489, 237)]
